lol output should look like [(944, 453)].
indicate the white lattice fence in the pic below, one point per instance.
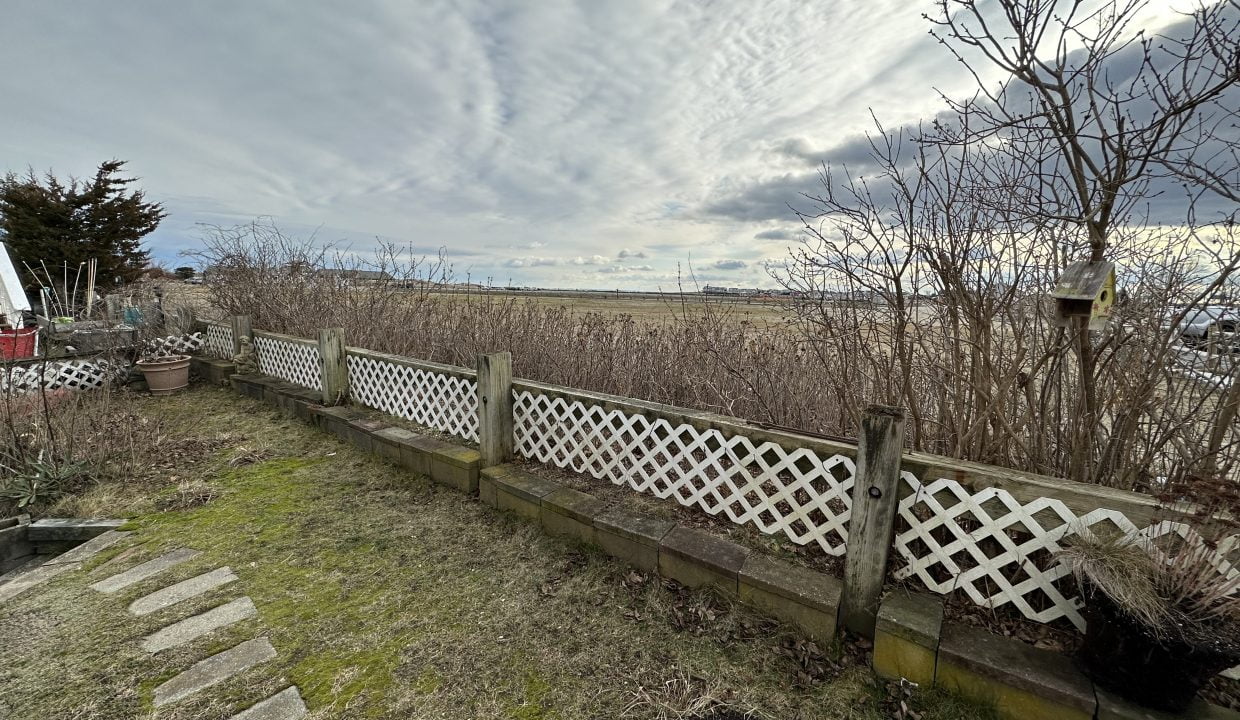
[(218, 341), (289, 359), (175, 345), (797, 492), (999, 550), (447, 403), (61, 375)]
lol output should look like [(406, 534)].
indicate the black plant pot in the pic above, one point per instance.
[(1121, 655)]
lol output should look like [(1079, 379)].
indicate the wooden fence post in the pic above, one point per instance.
[(112, 308), (495, 408), (871, 529), (335, 368), (240, 328)]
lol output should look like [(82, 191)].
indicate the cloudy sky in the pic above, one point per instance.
[(595, 143)]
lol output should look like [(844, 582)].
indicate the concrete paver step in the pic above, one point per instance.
[(214, 670), (192, 628), (32, 562), (89, 548), (181, 591), (146, 570), (284, 705), (21, 581)]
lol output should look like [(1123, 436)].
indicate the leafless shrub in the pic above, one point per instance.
[(925, 282), (703, 357), (989, 376), (59, 442)]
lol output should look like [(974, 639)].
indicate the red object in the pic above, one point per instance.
[(17, 344)]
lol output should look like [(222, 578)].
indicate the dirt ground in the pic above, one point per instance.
[(389, 597)]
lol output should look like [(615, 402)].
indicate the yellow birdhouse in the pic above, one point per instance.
[(1085, 290)]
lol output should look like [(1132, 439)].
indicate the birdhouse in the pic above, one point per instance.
[(1085, 290)]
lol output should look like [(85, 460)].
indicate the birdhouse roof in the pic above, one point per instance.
[(1082, 280)]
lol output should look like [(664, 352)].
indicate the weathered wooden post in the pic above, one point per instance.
[(112, 307), (240, 328), (495, 408), (335, 367), (871, 529)]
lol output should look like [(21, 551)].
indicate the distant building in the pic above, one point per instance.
[(355, 277), (715, 290)]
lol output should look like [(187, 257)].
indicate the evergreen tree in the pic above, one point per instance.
[(45, 220)]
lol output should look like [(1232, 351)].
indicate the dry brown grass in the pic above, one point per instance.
[(1177, 592)]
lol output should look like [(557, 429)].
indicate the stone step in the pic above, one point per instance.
[(52, 530), (284, 705), (192, 628), (90, 547), (146, 570), (215, 669), (30, 562), (40, 574), (182, 591)]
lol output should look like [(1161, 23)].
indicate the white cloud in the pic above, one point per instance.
[(622, 269), (567, 127), (530, 262)]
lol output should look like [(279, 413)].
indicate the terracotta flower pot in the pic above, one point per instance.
[(165, 375)]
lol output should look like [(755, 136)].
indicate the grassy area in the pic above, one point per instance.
[(761, 312), (388, 597)]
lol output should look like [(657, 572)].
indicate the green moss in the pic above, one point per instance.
[(534, 705), (337, 679)]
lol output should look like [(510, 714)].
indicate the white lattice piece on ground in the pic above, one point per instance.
[(437, 400), (175, 345), (61, 375), (998, 550), (218, 342), (288, 360), (797, 492)]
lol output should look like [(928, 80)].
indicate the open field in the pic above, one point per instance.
[(643, 306), (389, 597), (656, 307)]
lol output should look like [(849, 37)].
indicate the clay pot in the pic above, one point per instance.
[(165, 375)]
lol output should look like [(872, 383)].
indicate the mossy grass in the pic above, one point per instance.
[(389, 597)]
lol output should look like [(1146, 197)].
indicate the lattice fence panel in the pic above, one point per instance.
[(218, 342), (187, 344), (293, 361), (797, 492), (61, 375), (998, 550), (444, 402)]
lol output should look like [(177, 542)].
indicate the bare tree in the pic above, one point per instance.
[(984, 207)]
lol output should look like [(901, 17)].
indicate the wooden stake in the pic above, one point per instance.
[(871, 528), (335, 366), (495, 408)]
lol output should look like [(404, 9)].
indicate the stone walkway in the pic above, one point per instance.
[(284, 705)]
